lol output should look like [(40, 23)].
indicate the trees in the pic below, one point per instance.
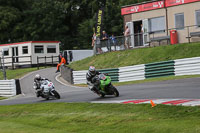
[(10, 16), (71, 22)]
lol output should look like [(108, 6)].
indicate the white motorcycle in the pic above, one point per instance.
[(47, 89)]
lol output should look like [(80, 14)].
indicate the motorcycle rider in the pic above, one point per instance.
[(37, 83), (90, 76)]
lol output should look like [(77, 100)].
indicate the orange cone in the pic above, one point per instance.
[(152, 104)]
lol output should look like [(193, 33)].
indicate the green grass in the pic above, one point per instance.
[(138, 56), (17, 73), (2, 98), (98, 118)]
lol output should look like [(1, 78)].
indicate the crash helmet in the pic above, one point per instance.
[(92, 70), (37, 77)]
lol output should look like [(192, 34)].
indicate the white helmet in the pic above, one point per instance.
[(92, 70), (37, 77)]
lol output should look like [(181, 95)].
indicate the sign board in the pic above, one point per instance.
[(178, 2), (99, 20), (153, 6), (143, 7)]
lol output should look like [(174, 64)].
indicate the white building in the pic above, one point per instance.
[(24, 53)]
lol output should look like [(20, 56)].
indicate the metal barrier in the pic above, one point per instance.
[(7, 88), (108, 45), (159, 69), (131, 73), (185, 34), (187, 66), (79, 77), (113, 73), (152, 38)]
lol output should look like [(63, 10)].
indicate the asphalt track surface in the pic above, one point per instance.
[(173, 89)]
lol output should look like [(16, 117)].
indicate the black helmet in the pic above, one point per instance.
[(92, 70)]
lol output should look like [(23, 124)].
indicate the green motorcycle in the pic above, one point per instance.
[(105, 86)]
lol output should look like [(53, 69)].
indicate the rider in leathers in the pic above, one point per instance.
[(37, 83), (91, 80)]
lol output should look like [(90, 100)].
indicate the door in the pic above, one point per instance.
[(131, 27), (70, 56), (145, 32), (15, 54), (138, 35)]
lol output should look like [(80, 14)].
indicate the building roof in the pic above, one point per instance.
[(140, 3), (30, 42)]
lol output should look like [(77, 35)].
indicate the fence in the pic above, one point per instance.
[(152, 38), (187, 66), (46, 61), (7, 88), (16, 61)]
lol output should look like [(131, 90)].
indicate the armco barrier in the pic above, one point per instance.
[(7, 88), (131, 73), (79, 77), (113, 73), (159, 69), (187, 66)]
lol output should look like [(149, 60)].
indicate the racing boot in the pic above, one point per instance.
[(37, 93)]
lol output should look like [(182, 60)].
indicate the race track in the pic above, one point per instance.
[(174, 89)]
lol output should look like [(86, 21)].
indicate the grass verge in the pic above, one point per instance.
[(98, 118), (17, 73), (138, 56), (2, 98)]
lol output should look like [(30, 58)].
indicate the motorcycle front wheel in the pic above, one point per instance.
[(56, 94), (115, 91), (101, 95)]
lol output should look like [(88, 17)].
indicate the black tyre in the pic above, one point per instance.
[(115, 92), (56, 94), (102, 95)]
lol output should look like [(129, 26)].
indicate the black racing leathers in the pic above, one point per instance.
[(91, 80)]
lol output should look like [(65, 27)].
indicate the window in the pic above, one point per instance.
[(25, 49), (198, 18), (157, 24), (39, 49), (6, 53), (51, 49), (179, 21)]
